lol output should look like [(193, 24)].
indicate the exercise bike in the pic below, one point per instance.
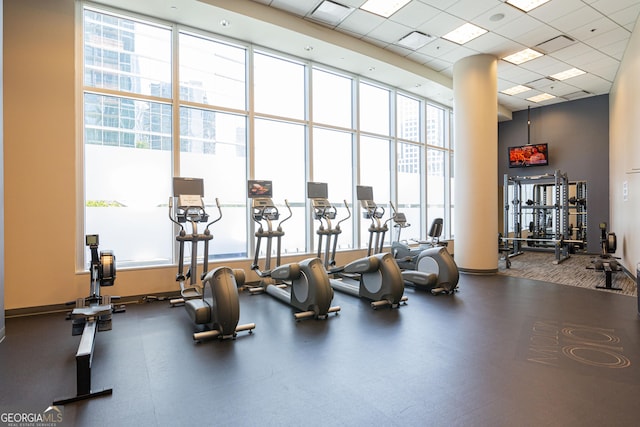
[(402, 251), (375, 277), (430, 267), (303, 285), (214, 307), (90, 316)]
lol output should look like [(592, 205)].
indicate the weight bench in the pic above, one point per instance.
[(609, 266)]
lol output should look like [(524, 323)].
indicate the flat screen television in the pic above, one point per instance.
[(364, 192), (259, 189), (317, 190), (188, 186), (523, 156)]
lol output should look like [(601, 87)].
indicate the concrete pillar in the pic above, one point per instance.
[(475, 103)]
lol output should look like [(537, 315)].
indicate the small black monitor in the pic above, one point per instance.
[(259, 189), (364, 192), (317, 190), (188, 186)]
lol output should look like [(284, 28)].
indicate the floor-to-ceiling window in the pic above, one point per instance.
[(127, 136), (374, 161), (437, 165), (409, 166), (213, 137), (162, 100), (332, 141)]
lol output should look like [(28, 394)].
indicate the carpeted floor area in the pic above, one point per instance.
[(572, 272)]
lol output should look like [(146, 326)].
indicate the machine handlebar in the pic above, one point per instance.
[(219, 214), (346, 205), (286, 202)]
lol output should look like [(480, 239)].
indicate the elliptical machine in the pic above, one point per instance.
[(308, 288), (376, 277), (214, 306), (430, 267)]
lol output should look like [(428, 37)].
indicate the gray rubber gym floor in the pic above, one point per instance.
[(504, 351)]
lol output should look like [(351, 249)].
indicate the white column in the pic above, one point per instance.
[(475, 103)]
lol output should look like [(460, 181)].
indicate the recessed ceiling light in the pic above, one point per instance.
[(515, 90), (464, 33), (573, 72), (415, 40), (526, 5), (330, 12), (541, 97), (522, 56), (384, 8)]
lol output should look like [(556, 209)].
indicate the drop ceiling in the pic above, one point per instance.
[(590, 35)]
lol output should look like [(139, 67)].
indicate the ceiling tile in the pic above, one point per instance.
[(541, 64), (439, 65), (627, 17), (605, 68), (520, 75), (610, 37), (589, 58), (360, 22), (389, 31), (593, 28), (441, 24), (400, 50), (538, 35), (615, 50), (419, 57), (573, 51), (560, 89), (591, 83), (575, 19), (550, 10), (414, 14), (540, 84), (457, 54), (470, 9), (351, 3), (439, 4), (517, 27), (494, 44), (607, 7), (438, 48), (488, 21)]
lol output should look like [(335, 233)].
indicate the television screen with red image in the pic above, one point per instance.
[(529, 155)]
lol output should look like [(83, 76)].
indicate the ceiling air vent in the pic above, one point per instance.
[(555, 43), (578, 94)]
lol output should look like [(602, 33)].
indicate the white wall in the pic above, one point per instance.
[(624, 155)]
